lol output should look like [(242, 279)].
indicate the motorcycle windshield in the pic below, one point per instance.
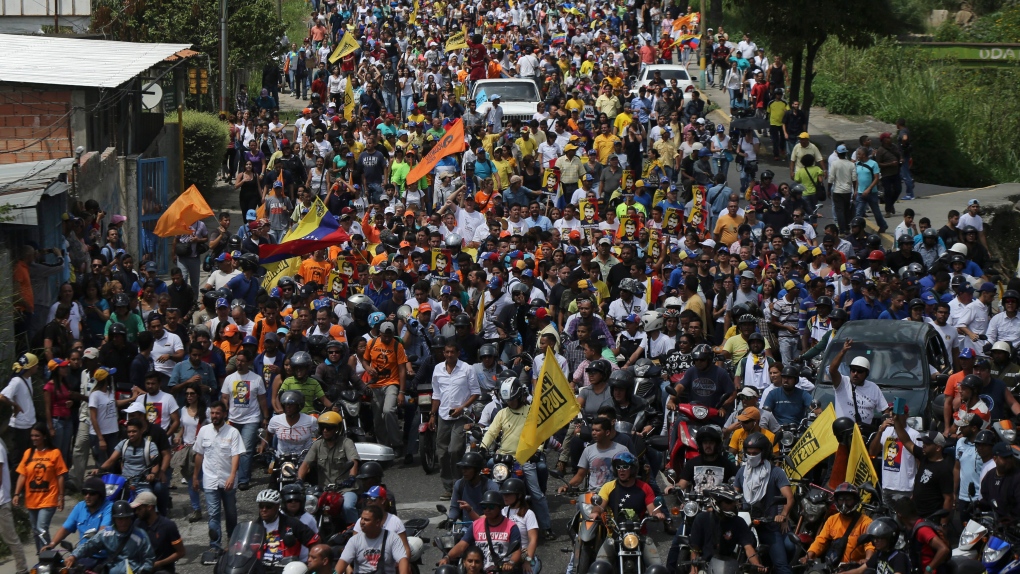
[(245, 544)]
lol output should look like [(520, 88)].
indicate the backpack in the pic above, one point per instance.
[(145, 451), (914, 546)]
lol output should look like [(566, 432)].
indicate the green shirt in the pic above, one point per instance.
[(808, 177), (398, 174), (310, 388), (132, 321)]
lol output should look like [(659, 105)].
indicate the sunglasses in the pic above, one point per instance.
[(190, 394), (266, 506), (858, 370), (492, 507)]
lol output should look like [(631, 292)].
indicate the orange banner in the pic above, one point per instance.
[(188, 208), (685, 21), (452, 142)]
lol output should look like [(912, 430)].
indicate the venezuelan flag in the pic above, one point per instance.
[(560, 38)]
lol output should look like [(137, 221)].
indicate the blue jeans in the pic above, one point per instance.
[(908, 180), (351, 513), (870, 200), (776, 540), (193, 496), (213, 500), (39, 520), (375, 191), (250, 437), (538, 502), (405, 105), (63, 430), (720, 165), (390, 99)]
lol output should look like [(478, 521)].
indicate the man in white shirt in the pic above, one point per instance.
[(167, 348), (18, 395), (244, 393), (899, 466), (747, 48), (855, 396), (454, 388), (972, 217), (469, 220), (160, 408), (225, 272), (973, 320), (218, 449)]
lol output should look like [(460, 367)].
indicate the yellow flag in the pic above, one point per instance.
[(858, 467), (457, 41), (817, 444), (553, 407), (349, 100), (277, 269), (347, 45), (414, 14)]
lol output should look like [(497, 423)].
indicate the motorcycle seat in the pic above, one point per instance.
[(658, 442)]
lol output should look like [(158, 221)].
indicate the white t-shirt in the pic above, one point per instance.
[(219, 279), (158, 408), (19, 392), (392, 523), (217, 448), (364, 553), (898, 465), (243, 392), (947, 332), (659, 348), (293, 439), (467, 223), (168, 345), (968, 219), (106, 412), (524, 523), (869, 399)]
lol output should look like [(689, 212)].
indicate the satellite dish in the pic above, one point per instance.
[(153, 99)]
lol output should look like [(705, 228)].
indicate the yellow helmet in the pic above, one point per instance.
[(330, 418)]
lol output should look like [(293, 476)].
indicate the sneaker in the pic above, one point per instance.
[(408, 459), (907, 198), (195, 516), (243, 486), (446, 496), (548, 534)]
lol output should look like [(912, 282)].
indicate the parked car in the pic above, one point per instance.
[(669, 72), (908, 360)]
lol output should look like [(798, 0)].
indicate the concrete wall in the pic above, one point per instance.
[(36, 124)]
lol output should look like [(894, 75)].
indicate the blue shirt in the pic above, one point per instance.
[(866, 173), (894, 315), (463, 490), (852, 294), (644, 199), (861, 310), (160, 286), (522, 196), (542, 222), (80, 520), (185, 370), (970, 469), (379, 296), (244, 288), (788, 408)]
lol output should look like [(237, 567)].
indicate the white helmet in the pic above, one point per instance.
[(673, 302), (652, 320), (268, 495), (511, 389), (786, 232), (295, 568), (862, 363), (959, 248)]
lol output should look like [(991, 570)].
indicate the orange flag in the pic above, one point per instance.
[(453, 142), (685, 21), (188, 208)]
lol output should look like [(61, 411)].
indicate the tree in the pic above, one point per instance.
[(797, 29)]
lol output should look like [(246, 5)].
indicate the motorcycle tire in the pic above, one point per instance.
[(585, 556), (427, 452)]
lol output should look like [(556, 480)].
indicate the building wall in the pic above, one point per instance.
[(35, 124)]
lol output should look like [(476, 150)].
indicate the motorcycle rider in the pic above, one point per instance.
[(749, 399), (926, 549), (590, 398), (167, 545), (628, 498), (882, 533), (373, 549), (294, 506), (1003, 367), (760, 482), (301, 366), (92, 513), (737, 346), (717, 537), (514, 493), (127, 546), (294, 430), (753, 370), (466, 493), (832, 543), (487, 370), (788, 403), (497, 536), (507, 426), (709, 384), (281, 528), (327, 457), (379, 496), (749, 419), (371, 474), (454, 388), (1002, 484), (596, 460), (635, 410)]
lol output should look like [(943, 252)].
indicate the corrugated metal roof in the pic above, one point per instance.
[(31, 175), (93, 63)]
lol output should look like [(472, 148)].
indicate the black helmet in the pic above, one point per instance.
[(874, 241), (316, 346), (929, 233), (957, 258), (293, 492), (293, 398), (746, 318), (857, 222), (915, 302), (519, 288), (767, 174), (122, 300), (791, 371), (708, 433), (122, 509), (986, 436), (302, 359), (462, 320), (843, 489), (599, 366), (824, 300), (1011, 294), (439, 342), (513, 486), (360, 306), (701, 352), (756, 336), (905, 238), (972, 382), (208, 299), (487, 350), (881, 528), (491, 497), (798, 188), (839, 314), (969, 229), (843, 426), (760, 441), (370, 469), (448, 569), (249, 262), (471, 460), (739, 310), (959, 282), (286, 281), (234, 243), (601, 567), (118, 329), (621, 379)]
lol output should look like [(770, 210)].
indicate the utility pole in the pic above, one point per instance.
[(223, 56), (180, 141), (56, 16), (702, 48)]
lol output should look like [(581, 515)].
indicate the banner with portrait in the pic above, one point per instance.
[(698, 217), (629, 229), (673, 222), (442, 261), (336, 284)]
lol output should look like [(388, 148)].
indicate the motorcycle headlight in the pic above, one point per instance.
[(288, 470), (353, 409), (1008, 435), (311, 504), (691, 508), (994, 554), (915, 423), (500, 472), (699, 412), (631, 541), (586, 510), (788, 439)]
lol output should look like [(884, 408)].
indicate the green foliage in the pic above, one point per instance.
[(205, 142), (840, 98)]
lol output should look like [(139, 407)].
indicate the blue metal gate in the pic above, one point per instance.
[(152, 202)]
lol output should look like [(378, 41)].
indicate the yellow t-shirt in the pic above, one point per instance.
[(621, 122), (604, 146), (777, 109), (737, 441), (527, 146), (808, 177), (726, 227)]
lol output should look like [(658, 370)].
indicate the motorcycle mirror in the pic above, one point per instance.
[(89, 533), (69, 547), (941, 380), (971, 490), (596, 500), (659, 502), (442, 509), (556, 474), (671, 475), (669, 388)]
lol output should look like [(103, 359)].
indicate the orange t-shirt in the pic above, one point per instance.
[(953, 388), (23, 283), (41, 470), (228, 349), (317, 271), (386, 360)]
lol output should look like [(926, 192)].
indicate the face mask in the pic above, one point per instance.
[(753, 460)]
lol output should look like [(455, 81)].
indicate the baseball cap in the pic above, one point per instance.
[(223, 257), (150, 266), (749, 414), (749, 392), (271, 336), (91, 353), (967, 353), (424, 308), (933, 437), (57, 363), (222, 302), (1002, 450), (102, 373), (710, 243), (134, 408), (841, 148), (251, 215), (230, 330), (632, 318), (540, 313), (494, 283), (446, 290), (398, 285), (144, 499), (387, 327), (986, 287), (973, 202), (249, 340)]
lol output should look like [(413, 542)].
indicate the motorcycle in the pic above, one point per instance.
[(350, 407), (245, 551), (626, 536), (326, 504), (688, 419), (1001, 554), (426, 435), (689, 505), (504, 466), (455, 531), (588, 529), (121, 488), (284, 468)]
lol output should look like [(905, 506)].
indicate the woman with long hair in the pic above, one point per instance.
[(57, 401), (247, 185), (147, 299), (103, 408), (319, 178), (516, 508), (40, 488), (97, 312), (193, 416)]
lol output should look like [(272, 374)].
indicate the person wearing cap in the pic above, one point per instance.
[(804, 148), (970, 218), (166, 540), (1000, 487), (92, 513), (972, 321), (787, 402), (856, 397), (1002, 365), (786, 321), (748, 419), (868, 306), (387, 373), (126, 547), (749, 398), (18, 395)]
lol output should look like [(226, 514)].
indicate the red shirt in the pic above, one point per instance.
[(760, 93)]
